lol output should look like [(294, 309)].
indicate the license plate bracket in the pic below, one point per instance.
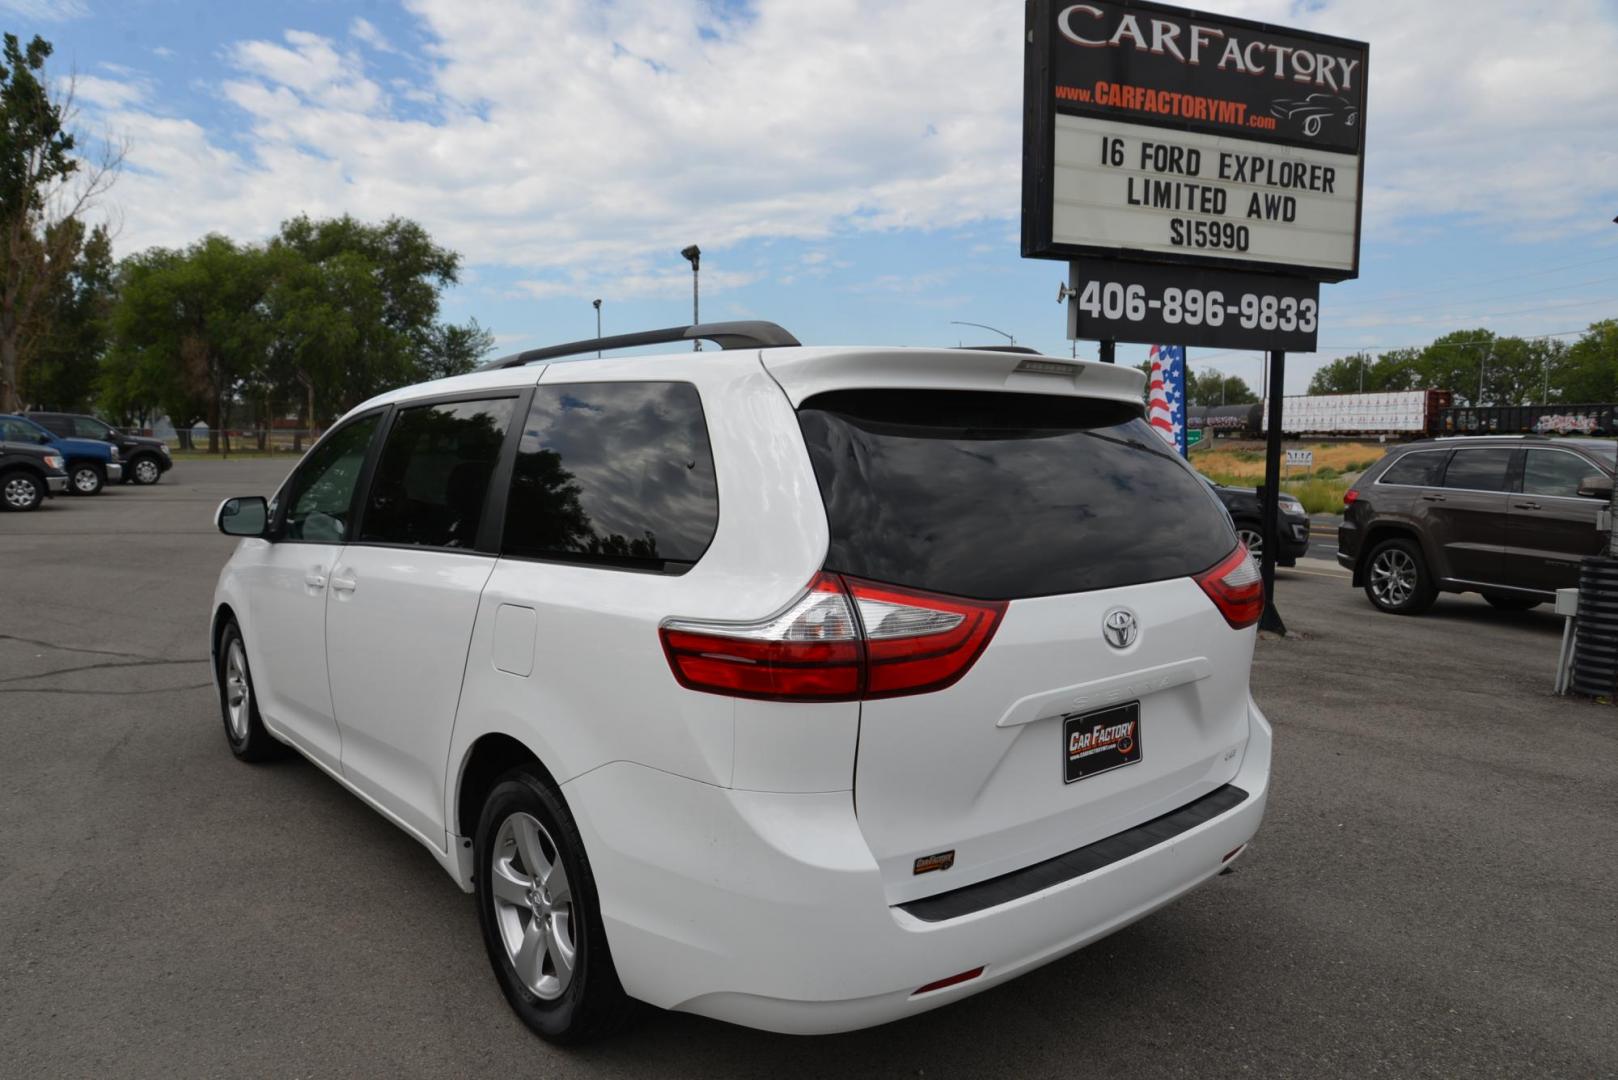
[(1100, 741)]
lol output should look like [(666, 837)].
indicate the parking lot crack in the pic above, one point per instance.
[(100, 667), (72, 648)]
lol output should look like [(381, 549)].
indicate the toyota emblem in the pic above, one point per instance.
[(1120, 628)]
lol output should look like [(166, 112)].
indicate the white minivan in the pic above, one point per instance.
[(805, 688)]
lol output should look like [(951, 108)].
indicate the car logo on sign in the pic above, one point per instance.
[(1120, 628)]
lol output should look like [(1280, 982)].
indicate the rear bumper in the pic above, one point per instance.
[(769, 910)]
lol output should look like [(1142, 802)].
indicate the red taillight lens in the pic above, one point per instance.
[(1235, 587), (1349, 496), (817, 649)]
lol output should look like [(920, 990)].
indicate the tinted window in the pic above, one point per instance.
[(60, 425), (1421, 469), (614, 473), (322, 490), (20, 431), (1000, 496), (433, 475), (1479, 470), (88, 427), (1552, 472)]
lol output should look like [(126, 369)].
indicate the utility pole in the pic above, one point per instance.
[(693, 254), (597, 305)]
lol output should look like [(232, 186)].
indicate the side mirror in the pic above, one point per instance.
[(247, 515), (1596, 487)]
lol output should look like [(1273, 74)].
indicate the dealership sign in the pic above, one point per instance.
[(1164, 136)]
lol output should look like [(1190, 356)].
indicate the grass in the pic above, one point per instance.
[(1320, 490)]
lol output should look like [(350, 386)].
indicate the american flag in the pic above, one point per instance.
[(1165, 405)]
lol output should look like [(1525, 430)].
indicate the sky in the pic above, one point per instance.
[(850, 168)]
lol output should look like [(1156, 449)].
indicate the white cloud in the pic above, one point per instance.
[(108, 93), (365, 31), (583, 135), (46, 10)]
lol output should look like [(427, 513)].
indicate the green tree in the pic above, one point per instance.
[(62, 357), (356, 308), (191, 330), (1359, 373), (1210, 388), (1588, 371)]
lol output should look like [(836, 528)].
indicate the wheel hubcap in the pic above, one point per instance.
[(1253, 540), (146, 472), (533, 906), (238, 691), (85, 480), (19, 493), (1393, 577)]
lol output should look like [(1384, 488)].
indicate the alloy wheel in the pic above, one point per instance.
[(1393, 577), (86, 481), (20, 493), (146, 471), (533, 906), (238, 690), (1253, 539)]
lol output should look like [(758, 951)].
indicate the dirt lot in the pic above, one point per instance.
[(1434, 891)]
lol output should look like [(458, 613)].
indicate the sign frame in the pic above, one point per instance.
[(1040, 109)]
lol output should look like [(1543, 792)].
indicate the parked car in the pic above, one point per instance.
[(29, 474), (956, 684), (1506, 516), (145, 459), (90, 463), (1246, 508)]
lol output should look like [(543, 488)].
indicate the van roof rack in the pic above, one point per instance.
[(749, 334)]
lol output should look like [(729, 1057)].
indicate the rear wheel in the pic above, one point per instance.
[(145, 470), (1506, 602), (86, 478), (540, 916), (1253, 537), (1397, 579), (21, 491)]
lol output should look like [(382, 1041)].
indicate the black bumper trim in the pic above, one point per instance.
[(1075, 863)]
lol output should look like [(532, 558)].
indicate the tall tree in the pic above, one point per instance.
[(62, 355), (1214, 388), (1588, 371), (1359, 373), (44, 186)]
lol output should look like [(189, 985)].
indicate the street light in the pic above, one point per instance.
[(984, 326), (597, 305), (693, 255)]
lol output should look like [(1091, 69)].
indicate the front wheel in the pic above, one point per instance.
[(238, 704), (540, 916), (1253, 537), (1397, 579), (145, 470), (86, 478), (21, 491)]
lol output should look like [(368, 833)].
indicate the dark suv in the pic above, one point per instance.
[(1506, 516), (145, 459), (1246, 509)]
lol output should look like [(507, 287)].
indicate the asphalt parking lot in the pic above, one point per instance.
[(1434, 891)]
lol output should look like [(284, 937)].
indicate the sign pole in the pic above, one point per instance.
[(1271, 619)]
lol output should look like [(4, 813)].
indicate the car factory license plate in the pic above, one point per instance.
[(1099, 742)]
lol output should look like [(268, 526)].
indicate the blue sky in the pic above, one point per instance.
[(850, 169)]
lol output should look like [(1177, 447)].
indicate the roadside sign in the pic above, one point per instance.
[(1192, 437), (1114, 300), (1162, 135), (1303, 458)]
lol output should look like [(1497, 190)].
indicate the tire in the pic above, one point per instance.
[(238, 702), (86, 478), (1397, 579), (21, 490), (1503, 602), (1252, 535), (144, 470), (525, 828)]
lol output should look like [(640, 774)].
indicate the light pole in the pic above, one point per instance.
[(984, 326), (693, 255), (597, 305), (1362, 373)]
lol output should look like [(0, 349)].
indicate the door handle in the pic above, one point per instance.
[(1433, 498), (315, 579), (343, 584), (1526, 506)]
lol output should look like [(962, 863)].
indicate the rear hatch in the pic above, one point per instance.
[(1071, 510)]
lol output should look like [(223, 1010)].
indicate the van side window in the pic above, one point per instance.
[(433, 476), (615, 474), (321, 499), (1420, 469)]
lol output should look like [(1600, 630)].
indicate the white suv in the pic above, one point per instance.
[(805, 688)]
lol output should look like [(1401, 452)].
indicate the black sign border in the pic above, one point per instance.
[(1039, 146)]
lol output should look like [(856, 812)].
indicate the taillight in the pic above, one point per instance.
[(1349, 496), (1236, 588), (901, 641)]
